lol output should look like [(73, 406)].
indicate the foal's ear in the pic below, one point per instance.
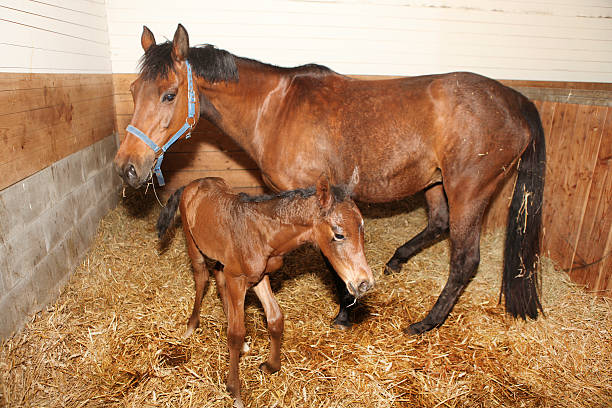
[(147, 39), (180, 44), (324, 192)]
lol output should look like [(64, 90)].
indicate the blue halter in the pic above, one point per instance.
[(187, 127)]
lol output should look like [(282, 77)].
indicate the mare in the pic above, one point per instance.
[(248, 236), (457, 136)]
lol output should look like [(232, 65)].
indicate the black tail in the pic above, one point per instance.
[(521, 282), (166, 217)]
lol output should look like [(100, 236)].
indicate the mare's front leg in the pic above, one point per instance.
[(276, 324), (437, 224), (235, 292), (345, 299), (200, 278)]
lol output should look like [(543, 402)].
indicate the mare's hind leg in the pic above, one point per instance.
[(200, 278), (437, 224), (276, 324), (466, 212)]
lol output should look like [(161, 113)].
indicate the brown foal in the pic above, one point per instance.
[(248, 237)]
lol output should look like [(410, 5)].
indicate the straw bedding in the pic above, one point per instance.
[(113, 336)]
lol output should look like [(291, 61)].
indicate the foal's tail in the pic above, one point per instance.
[(521, 282), (166, 217)]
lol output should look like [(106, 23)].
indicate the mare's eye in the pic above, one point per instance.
[(338, 237), (169, 97)]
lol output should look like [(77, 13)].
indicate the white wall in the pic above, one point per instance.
[(569, 40), (55, 36)]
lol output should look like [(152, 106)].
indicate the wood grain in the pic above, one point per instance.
[(46, 117)]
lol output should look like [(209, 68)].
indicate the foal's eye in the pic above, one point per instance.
[(169, 97), (338, 237)]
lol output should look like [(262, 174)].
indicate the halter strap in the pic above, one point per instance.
[(186, 128)]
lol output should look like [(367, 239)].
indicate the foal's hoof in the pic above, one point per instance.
[(268, 368), (238, 403), (393, 266)]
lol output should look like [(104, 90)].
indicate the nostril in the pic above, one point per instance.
[(130, 172), (364, 286)]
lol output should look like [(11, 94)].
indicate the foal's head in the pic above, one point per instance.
[(338, 231)]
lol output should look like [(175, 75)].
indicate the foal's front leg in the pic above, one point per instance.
[(276, 324), (235, 291)]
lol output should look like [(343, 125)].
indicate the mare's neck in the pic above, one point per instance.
[(237, 107)]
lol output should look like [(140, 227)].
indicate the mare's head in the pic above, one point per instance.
[(161, 110), (339, 233)]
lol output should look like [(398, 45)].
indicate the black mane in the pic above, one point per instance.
[(208, 62), (340, 194)]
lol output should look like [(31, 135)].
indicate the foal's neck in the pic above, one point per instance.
[(288, 221)]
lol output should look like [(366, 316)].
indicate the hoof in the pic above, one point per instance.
[(418, 328), (267, 368), (238, 403), (341, 323), (188, 332), (393, 266)]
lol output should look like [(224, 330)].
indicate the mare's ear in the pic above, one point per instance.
[(324, 195), (180, 44), (147, 39), (354, 180)]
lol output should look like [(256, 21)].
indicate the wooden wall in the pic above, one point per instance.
[(46, 117), (577, 121), (56, 94)]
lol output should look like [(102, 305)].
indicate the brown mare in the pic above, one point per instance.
[(456, 136), (248, 237)]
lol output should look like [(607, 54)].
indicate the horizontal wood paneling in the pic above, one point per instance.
[(510, 39), (46, 117)]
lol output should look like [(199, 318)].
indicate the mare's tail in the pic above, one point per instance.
[(166, 217), (521, 282)]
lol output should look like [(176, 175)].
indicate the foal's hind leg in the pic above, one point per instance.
[(466, 214), (200, 277), (276, 324), (437, 224)]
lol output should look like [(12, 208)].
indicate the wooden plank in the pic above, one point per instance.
[(594, 245), (58, 115), (586, 148), (208, 161), (248, 181), (559, 163)]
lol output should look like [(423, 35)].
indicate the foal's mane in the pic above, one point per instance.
[(340, 194), (211, 63)]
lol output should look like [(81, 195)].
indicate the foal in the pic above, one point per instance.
[(248, 237)]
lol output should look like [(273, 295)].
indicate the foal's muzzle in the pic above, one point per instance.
[(357, 290)]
